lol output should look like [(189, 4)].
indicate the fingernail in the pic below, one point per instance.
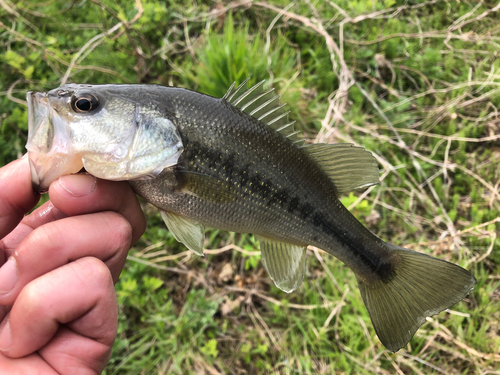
[(8, 276), (6, 337), (78, 185)]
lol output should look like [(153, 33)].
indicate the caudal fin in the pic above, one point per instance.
[(420, 286)]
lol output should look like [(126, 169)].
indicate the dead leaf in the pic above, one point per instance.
[(226, 274)]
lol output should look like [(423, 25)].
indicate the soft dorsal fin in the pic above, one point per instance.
[(262, 105), (285, 263), (348, 167)]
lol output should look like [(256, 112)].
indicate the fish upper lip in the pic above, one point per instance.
[(33, 98), (38, 110), (36, 101)]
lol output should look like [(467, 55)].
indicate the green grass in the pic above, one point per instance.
[(419, 87)]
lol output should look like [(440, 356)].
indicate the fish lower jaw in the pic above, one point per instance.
[(46, 169)]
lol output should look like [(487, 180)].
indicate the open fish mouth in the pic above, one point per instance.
[(48, 152)]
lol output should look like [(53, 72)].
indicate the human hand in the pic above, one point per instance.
[(58, 307)]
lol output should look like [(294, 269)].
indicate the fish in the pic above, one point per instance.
[(236, 163)]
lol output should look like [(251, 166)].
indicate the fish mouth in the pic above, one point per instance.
[(49, 153)]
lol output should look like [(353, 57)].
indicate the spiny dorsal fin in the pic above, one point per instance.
[(284, 262), (262, 105), (348, 167)]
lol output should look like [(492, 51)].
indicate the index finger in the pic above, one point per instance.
[(84, 194), (16, 194)]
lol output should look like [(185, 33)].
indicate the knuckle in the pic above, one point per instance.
[(43, 239), (92, 275), (121, 231), (46, 234), (95, 271), (33, 297)]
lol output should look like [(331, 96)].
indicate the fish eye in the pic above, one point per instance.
[(85, 103)]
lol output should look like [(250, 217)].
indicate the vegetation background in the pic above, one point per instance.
[(415, 82)]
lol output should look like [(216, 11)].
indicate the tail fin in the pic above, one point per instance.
[(420, 286)]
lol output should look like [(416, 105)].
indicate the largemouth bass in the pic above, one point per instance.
[(235, 163)]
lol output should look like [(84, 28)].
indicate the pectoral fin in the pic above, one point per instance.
[(184, 230), (284, 262), (206, 187)]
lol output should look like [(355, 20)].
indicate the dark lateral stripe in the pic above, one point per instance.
[(379, 266), (215, 162)]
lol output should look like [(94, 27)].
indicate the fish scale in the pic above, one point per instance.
[(237, 164), (221, 144)]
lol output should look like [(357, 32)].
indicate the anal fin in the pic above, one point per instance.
[(284, 262), (187, 231)]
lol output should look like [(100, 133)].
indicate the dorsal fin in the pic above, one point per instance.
[(348, 167), (262, 105)]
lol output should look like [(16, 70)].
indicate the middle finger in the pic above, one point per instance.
[(104, 235)]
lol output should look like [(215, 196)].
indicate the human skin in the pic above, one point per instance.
[(58, 306)]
